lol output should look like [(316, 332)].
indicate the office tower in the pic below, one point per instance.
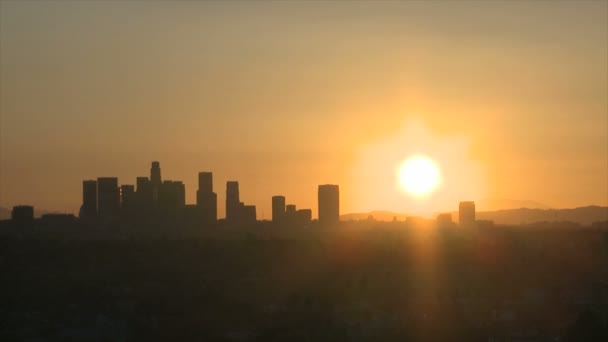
[(232, 201), (23, 214), (304, 216), (290, 211), (205, 182), (108, 196), (171, 197), (444, 219), (329, 204), (89, 199), (290, 214), (143, 187), (143, 196), (193, 215), (466, 213), (278, 208), (155, 181), (248, 214), (207, 204), (206, 199), (155, 178), (180, 193), (127, 196)]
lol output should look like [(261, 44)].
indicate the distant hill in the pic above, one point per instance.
[(582, 215), (491, 204)]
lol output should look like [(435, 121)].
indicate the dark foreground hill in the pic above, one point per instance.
[(367, 284)]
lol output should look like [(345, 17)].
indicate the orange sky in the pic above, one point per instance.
[(509, 98)]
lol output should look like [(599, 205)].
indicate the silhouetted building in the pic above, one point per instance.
[(127, 198), (232, 201), (127, 194), (171, 198), (23, 214), (290, 210), (444, 219), (248, 213), (180, 192), (278, 208), (108, 196), (206, 199), (155, 181), (89, 199), (466, 213), (329, 204), (205, 182), (208, 206), (290, 214), (143, 185), (193, 215), (155, 177), (304, 216), (143, 197)]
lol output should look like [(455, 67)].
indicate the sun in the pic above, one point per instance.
[(419, 175)]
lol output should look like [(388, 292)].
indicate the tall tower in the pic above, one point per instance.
[(466, 213), (108, 196), (127, 196), (278, 208), (232, 201), (206, 199), (329, 204), (155, 181), (89, 199), (155, 178), (205, 182)]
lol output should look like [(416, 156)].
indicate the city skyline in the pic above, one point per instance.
[(259, 170), (154, 197), (203, 199), (509, 100)]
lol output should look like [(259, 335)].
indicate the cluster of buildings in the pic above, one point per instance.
[(153, 198)]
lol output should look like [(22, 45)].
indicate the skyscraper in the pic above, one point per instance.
[(290, 211), (127, 196), (89, 199), (303, 216), (23, 214), (466, 213), (248, 214), (108, 196), (155, 181), (144, 189), (444, 219), (278, 208), (180, 194), (171, 198), (206, 199), (143, 196), (205, 182), (232, 201), (329, 204), (155, 178)]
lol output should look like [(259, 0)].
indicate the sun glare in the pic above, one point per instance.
[(419, 176)]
